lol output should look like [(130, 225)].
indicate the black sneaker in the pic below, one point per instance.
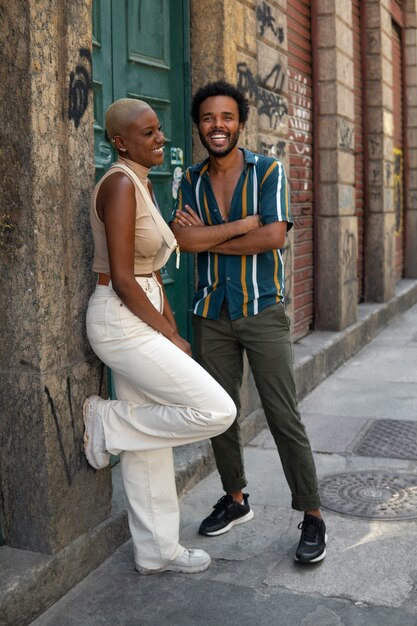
[(312, 545), (227, 513)]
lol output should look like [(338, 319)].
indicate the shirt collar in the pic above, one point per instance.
[(249, 157)]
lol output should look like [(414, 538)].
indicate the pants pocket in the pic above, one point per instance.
[(96, 321), (130, 324)]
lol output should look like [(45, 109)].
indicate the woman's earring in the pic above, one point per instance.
[(121, 149)]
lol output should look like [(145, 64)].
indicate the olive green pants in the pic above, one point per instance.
[(219, 347)]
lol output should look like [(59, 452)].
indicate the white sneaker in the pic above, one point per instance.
[(94, 441), (188, 562)]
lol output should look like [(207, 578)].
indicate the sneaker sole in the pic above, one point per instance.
[(318, 558), (240, 520), (173, 568), (100, 460)]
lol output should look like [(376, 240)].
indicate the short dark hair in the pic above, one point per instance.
[(219, 88)]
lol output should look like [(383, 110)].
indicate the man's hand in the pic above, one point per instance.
[(251, 222), (188, 217)]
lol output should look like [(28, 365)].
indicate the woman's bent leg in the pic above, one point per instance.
[(178, 401), (144, 430)]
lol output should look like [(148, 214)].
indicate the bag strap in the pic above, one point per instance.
[(165, 231)]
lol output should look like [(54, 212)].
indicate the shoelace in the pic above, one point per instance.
[(310, 529), (220, 503), (187, 552)]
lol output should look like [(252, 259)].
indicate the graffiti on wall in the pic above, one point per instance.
[(398, 189), (388, 172), (413, 201), (303, 220), (80, 85), (300, 126), (389, 247), (346, 134), (275, 149), (267, 21), (374, 145), (72, 454), (375, 175), (349, 271), (265, 91), (73, 460)]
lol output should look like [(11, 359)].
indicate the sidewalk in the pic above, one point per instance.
[(362, 422)]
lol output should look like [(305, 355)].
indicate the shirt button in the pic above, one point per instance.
[(228, 278)]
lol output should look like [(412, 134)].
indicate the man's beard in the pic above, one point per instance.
[(234, 138)]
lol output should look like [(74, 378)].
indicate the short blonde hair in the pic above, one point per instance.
[(121, 113)]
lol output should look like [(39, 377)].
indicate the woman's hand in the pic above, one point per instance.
[(181, 343)]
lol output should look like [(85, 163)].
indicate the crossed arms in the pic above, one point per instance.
[(241, 237)]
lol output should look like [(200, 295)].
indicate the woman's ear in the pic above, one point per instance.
[(119, 143)]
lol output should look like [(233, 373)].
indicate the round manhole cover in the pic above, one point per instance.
[(375, 494)]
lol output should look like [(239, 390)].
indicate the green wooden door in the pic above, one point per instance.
[(140, 50)]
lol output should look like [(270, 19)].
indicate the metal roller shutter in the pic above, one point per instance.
[(300, 145)]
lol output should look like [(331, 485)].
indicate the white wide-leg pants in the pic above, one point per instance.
[(165, 399)]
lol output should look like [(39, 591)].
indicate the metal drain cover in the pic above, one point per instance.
[(374, 494), (395, 439)]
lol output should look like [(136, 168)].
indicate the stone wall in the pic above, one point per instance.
[(50, 495), (379, 243), (337, 228)]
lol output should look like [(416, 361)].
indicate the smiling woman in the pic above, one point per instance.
[(164, 398)]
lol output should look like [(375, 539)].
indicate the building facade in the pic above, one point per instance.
[(333, 92)]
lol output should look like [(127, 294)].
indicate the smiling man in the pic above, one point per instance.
[(233, 210)]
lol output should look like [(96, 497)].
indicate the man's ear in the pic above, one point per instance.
[(241, 126)]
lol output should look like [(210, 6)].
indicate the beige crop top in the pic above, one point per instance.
[(154, 240)]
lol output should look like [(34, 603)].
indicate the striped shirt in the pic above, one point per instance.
[(248, 283)]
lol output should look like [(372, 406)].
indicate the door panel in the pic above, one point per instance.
[(148, 32), (102, 86)]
